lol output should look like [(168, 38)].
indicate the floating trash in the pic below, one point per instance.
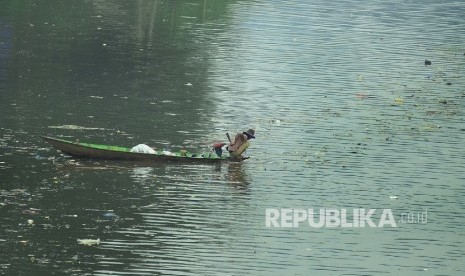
[(429, 127), (399, 101), (88, 242), (393, 197), (70, 216), (75, 127), (110, 216), (276, 122), (38, 157)]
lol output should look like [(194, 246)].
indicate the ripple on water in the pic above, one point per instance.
[(346, 116)]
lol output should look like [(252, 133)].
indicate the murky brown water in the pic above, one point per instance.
[(347, 115)]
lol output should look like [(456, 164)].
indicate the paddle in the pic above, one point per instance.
[(229, 138)]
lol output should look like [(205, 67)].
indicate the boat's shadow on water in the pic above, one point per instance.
[(232, 174)]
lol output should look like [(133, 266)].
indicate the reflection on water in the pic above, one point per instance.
[(182, 222), (142, 173), (346, 111), (237, 176)]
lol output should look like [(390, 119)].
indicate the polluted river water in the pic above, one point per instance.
[(357, 168)]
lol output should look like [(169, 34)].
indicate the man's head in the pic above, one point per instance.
[(250, 134)]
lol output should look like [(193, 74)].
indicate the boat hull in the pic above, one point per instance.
[(93, 151)]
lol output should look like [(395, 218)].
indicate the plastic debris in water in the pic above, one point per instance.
[(110, 216), (89, 242), (399, 101), (75, 127), (393, 197)]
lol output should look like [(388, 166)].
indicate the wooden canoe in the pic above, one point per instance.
[(96, 151)]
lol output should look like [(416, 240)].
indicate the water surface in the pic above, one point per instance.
[(347, 115)]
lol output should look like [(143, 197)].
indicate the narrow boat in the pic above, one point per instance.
[(96, 151)]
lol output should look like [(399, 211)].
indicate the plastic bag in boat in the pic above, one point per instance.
[(143, 148)]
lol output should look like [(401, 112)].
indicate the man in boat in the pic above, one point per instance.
[(240, 143)]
